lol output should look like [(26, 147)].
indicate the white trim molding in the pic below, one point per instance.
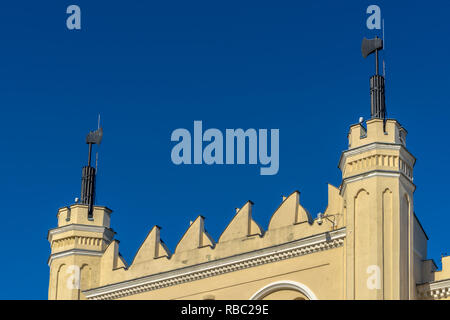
[(434, 290), (284, 284), (377, 173), (316, 243), (79, 252), (108, 232)]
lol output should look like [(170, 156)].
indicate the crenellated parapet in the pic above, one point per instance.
[(379, 147), (289, 224)]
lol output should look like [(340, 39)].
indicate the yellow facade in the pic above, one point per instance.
[(368, 244)]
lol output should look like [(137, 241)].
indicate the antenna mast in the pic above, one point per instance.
[(96, 154), (89, 173), (378, 106)]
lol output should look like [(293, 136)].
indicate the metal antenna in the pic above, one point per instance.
[(384, 67), (377, 97), (384, 47), (89, 173), (96, 154), (376, 62), (96, 158)]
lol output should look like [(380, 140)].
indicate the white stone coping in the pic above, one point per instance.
[(81, 252)]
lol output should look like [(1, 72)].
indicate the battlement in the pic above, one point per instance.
[(378, 148), (376, 130), (78, 214), (291, 222)]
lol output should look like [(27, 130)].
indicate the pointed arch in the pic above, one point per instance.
[(388, 243), (361, 190), (362, 239), (59, 280), (85, 279), (405, 235)]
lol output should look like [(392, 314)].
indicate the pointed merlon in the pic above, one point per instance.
[(335, 201), (289, 212), (152, 247), (195, 237), (242, 225), (111, 258)]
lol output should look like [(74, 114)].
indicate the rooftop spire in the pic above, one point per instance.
[(88, 172), (377, 96)]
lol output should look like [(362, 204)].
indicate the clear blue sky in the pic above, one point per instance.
[(152, 67)]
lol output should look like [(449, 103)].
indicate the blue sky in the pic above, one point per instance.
[(152, 67)]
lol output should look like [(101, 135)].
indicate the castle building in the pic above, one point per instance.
[(368, 244)]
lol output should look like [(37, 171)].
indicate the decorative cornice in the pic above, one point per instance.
[(80, 252), (375, 173), (434, 290), (109, 233), (320, 242), (377, 146)]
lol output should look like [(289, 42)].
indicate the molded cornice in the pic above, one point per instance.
[(434, 290)]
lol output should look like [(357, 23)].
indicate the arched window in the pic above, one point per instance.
[(284, 290)]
